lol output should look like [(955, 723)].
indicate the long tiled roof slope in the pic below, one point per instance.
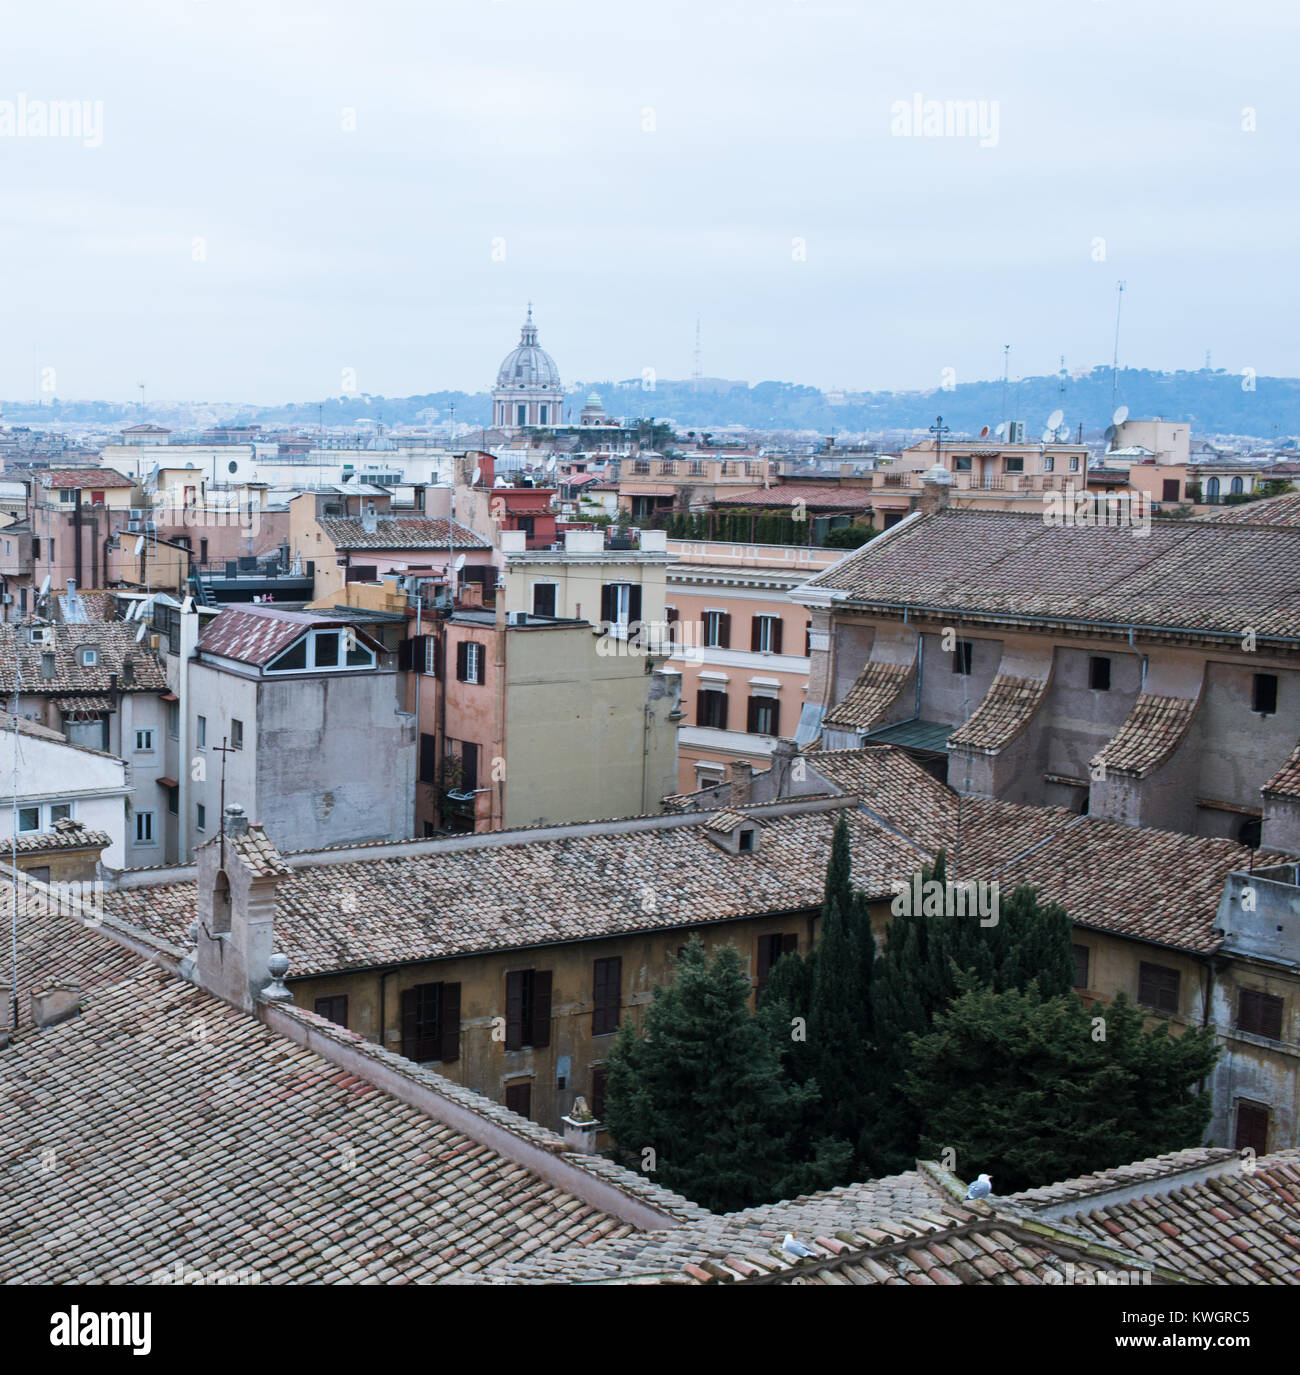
[(1279, 510), (1006, 710), (401, 532), (1153, 729), (876, 689), (115, 642), (1189, 576)]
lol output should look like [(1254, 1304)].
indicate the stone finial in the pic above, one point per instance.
[(275, 991), (236, 822)]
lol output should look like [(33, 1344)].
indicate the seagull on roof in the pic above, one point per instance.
[(794, 1248), (981, 1188)]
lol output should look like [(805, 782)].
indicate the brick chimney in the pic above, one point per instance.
[(935, 485), (742, 782)]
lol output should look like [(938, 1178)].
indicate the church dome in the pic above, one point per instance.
[(529, 365)]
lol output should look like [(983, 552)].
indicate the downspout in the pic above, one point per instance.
[(76, 536)]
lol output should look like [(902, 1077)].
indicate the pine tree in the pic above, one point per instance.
[(1031, 1090), (705, 1091)]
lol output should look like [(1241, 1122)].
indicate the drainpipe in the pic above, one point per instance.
[(76, 536)]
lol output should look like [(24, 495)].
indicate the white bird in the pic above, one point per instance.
[(794, 1248), (981, 1188)]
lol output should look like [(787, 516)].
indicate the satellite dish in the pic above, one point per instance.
[(1049, 434), (498, 481), (984, 433), (139, 546), (139, 634), (1120, 416), (1109, 433), (1063, 434), (1054, 420), (1001, 430), (478, 473), (460, 562), (45, 586), (550, 464)]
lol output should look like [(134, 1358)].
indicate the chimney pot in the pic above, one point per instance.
[(236, 821), (742, 781)]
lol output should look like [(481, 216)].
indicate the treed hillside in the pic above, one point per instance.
[(1215, 402)]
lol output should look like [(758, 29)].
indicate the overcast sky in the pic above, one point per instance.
[(629, 168)]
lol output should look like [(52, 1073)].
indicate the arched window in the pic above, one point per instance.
[(1212, 489), (221, 904), (1236, 486)]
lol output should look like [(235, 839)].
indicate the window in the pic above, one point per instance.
[(528, 1008), (521, 415), (1074, 464), (1169, 489), (544, 599), (711, 709), (333, 1009), (620, 604), (1212, 489), (1049, 464), (962, 464), (1158, 987), (1081, 954), (174, 801), (673, 622), (87, 656), (469, 661), (597, 1104), (431, 1022), (1235, 486), (717, 630), (326, 649), (764, 716), (765, 635), (1099, 673), (607, 995), (747, 841), (144, 828), (236, 734), (770, 949), (428, 758), (1252, 1128), (961, 657), (36, 546), (1264, 694), (174, 720), (143, 741), (1015, 465), (519, 1097), (201, 817), (51, 548), (293, 658), (203, 732), (29, 819), (1260, 1013), (67, 496), (542, 412)]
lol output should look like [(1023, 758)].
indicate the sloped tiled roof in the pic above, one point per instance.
[(85, 478), (1286, 781), (1235, 1227), (1153, 729), (400, 532), (66, 835), (1279, 510), (813, 495), (1189, 576), (116, 643), (257, 634), (875, 691), (1074, 1192), (1007, 709)]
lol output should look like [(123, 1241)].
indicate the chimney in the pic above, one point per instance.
[(128, 671), (72, 591), (236, 822), (581, 1128), (742, 782), (47, 665), (935, 485), (55, 1002), (783, 756)]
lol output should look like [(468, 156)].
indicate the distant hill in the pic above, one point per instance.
[(1215, 402)]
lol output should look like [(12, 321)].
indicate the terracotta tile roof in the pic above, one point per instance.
[(1188, 575), (875, 691), (1231, 1228), (724, 822), (254, 847), (400, 532), (258, 634), (115, 641), (1279, 510), (1007, 709), (83, 706), (1076, 1191), (1151, 732), (1286, 781), (66, 835), (84, 478), (503, 896), (814, 496)]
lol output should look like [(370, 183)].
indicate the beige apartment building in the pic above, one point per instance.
[(650, 483), (741, 646)]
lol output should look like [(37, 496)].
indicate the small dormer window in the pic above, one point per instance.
[(87, 656), (748, 840)]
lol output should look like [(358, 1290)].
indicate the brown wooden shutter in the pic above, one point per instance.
[(776, 634), (633, 604), (462, 661), (410, 1022), (751, 720), (776, 717), (468, 767), (722, 711), (724, 630), (515, 1010), (541, 1007), (428, 758), (764, 961), (450, 1047), (405, 654), (1252, 1127), (607, 603), (607, 988), (755, 633), (702, 701), (519, 1098), (790, 944)]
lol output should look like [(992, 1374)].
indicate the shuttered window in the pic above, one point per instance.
[(770, 949), (528, 1008), (711, 708), (717, 630), (335, 1009), (519, 1098), (1080, 965), (1252, 1128), (469, 661), (764, 716), (544, 599), (1158, 987), (620, 604), (431, 1022), (607, 995), (765, 635), (1260, 1013), (428, 758)]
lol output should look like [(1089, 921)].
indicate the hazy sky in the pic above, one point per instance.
[(231, 238)]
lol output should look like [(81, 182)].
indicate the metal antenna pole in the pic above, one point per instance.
[(1114, 367)]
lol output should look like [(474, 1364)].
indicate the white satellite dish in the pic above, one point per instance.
[(498, 481), (460, 562), (1001, 430), (139, 546), (1054, 420), (550, 464), (1049, 434), (1062, 434), (45, 586), (1109, 433), (139, 634), (478, 473), (1120, 416)]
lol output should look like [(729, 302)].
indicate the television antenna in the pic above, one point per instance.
[(1114, 367)]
